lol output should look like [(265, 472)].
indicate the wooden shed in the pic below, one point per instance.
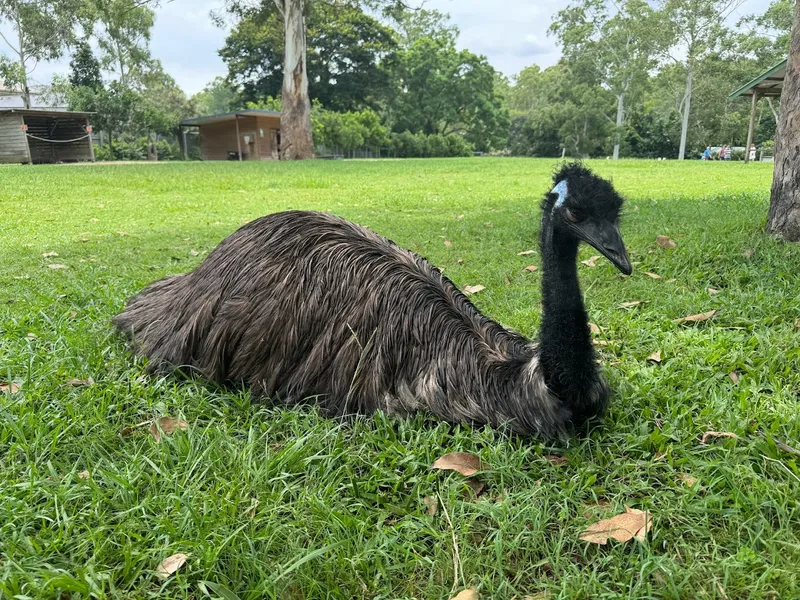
[(35, 135), (238, 135)]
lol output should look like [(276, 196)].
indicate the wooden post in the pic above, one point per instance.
[(238, 137), (91, 146), (185, 148), (751, 128)]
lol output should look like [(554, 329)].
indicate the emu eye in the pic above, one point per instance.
[(574, 215)]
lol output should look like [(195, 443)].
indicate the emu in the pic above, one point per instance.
[(304, 306)]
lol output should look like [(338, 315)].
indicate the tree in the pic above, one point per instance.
[(622, 43), (122, 29), (296, 136), (43, 31), (345, 49), (784, 208), (85, 68), (443, 90), (217, 97), (696, 27)]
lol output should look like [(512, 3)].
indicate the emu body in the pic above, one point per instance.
[(305, 306)]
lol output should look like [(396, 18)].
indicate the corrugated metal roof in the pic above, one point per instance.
[(230, 116), (769, 83)]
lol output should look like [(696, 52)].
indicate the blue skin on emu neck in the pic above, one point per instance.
[(561, 191)]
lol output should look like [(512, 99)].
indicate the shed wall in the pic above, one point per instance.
[(57, 129), (217, 139), (13, 148)]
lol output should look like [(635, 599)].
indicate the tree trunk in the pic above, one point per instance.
[(296, 141), (23, 70), (784, 207), (687, 102), (620, 118)]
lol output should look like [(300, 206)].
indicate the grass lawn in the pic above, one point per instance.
[(272, 503)]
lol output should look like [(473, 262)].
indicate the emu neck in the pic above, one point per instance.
[(565, 341)]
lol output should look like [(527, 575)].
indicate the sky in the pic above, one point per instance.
[(512, 34)]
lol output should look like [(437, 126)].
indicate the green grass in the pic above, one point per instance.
[(340, 509)]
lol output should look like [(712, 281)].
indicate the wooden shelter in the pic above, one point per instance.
[(238, 135), (36, 135), (768, 84)]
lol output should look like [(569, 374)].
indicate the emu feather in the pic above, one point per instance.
[(305, 306)]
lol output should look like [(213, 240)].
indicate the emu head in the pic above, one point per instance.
[(586, 207)]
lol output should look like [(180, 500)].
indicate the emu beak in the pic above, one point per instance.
[(606, 238)]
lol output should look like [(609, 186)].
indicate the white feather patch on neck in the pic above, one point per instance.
[(561, 191)]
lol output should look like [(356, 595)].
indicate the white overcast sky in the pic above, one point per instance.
[(511, 33)]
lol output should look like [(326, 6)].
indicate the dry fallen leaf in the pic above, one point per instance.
[(462, 462), (476, 487), (666, 242), (251, 512), (194, 253), (526, 252), (473, 289), (460, 261), (81, 382), (711, 291), (630, 304), (696, 318), (545, 595), (460, 217), (84, 474), (431, 505), (57, 266), (556, 460), (467, 594), (748, 252), (687, 480), (655, 357), (170, 564), (594, 329), (633, 523), (652, 275), (590, 262), (167, 425), (448, 243), (600, 342), (717, 434), (11, 388), (531, 268), (49, 254), (734, 377)]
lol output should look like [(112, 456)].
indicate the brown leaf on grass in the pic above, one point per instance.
[(128, 430), (633, 523), (748, 252), (84, 474), (630, 304), (32, 336), (49, 254), (544, 595), (558, 461), (601, 343), (666, 242), (508, 281), (57, 266), (467, 594), (476, 487), (797, 324), (11, 388), (652, 275), (460, 261), (473, 289), (81, 382), (717, 434), (462, 462), (460, 217), (734, 377), (448, 243), (687, 480), (167, 425), (594, 329), (696, 318), (655, 357), (170, 564), (590, 262), (531, 268), (431, 505), (712, 291)]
